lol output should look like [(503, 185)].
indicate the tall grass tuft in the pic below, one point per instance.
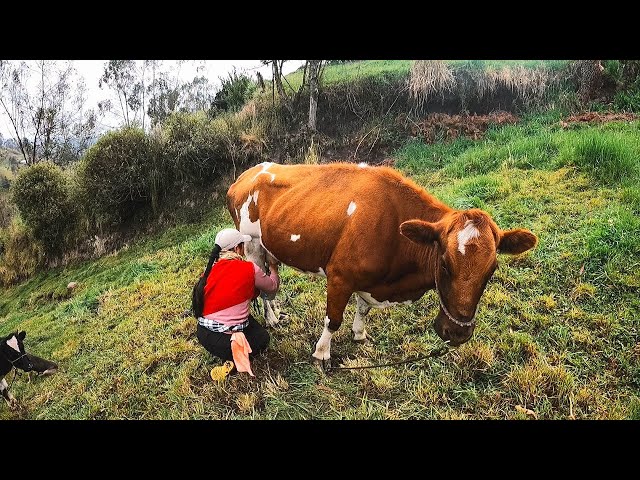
[(428, 77), (609, 157), (613, 237)]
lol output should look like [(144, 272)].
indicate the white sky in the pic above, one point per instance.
[(91, 71)]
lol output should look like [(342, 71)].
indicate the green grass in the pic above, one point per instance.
[(351, 71), (557, 327), (498, 64)]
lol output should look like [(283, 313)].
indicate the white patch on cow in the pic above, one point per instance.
[(368, 298), (13, 343), (295, 238), (3, 385), (467, 233), (351, 209), (255, 197), (363, 165), (323, 347), (246, 226), (265, 166)]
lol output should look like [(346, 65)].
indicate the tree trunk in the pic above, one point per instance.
[(314, 69), (277, 78)]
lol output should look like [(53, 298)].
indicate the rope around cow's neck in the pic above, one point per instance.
[(451, 317), (15, 370)]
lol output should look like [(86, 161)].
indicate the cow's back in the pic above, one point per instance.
[(307, 214)]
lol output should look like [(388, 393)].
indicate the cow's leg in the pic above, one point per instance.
[(255, 253), (6, 394), (338, 295), (359, 331)]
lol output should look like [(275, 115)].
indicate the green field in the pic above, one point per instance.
[(557, 334)]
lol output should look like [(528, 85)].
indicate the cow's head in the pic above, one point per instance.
[(465, 244), (12, 349)]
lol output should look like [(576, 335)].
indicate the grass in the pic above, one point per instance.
[(348, 72), (557, 334)]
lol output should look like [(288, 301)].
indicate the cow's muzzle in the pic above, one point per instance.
[(450, 332)]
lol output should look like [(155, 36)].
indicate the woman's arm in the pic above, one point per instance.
[(267, 283)]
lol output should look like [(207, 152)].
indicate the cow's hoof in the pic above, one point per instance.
[(322, 365), (366, 340), (13, 404)]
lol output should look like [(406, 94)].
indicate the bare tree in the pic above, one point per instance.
[(13, 101), (48, 119), (122, 77)]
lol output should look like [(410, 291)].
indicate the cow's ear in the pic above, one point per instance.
[(419, 231), (21, 335), (516, 241)]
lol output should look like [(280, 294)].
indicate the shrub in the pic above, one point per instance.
[(121, 174), (42, 195), (20, 254), (236, 90), (194, 146), (6, 211)]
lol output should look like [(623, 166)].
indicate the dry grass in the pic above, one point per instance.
[(434, 77), (429, 77), (313, 154)]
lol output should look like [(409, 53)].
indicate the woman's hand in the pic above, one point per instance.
[(273, 265)]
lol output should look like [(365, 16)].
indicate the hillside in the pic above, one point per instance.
[(557, 334)]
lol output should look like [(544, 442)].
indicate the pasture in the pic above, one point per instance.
[(558, 327)]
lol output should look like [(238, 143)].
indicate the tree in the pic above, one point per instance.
[(48, 119), (314, 76), (122, 77), (164, 98), (198, 95)]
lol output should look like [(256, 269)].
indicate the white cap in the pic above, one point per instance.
[(230, 237)]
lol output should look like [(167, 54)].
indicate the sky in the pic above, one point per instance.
[(91, 71)]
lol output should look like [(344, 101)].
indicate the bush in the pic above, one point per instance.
[(628, 100), (42, 195), (121, 174), (6, 211), (193, 147), (20, 254), (236, 90)]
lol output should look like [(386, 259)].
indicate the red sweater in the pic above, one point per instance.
[(230, 282)]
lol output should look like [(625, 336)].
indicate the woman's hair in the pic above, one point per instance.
[(213, 258)]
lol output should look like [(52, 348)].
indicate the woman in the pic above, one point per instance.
[(226, 328)]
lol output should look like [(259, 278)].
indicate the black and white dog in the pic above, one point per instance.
[(13, 355)]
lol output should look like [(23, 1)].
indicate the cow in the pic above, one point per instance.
[(373, 232), (13, 355)]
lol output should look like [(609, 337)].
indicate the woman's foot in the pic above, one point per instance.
[(222, 371)]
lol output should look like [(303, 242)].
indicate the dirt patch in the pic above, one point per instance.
[(443, 127), (598, 117)]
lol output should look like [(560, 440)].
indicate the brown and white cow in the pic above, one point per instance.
[(371, 231)]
